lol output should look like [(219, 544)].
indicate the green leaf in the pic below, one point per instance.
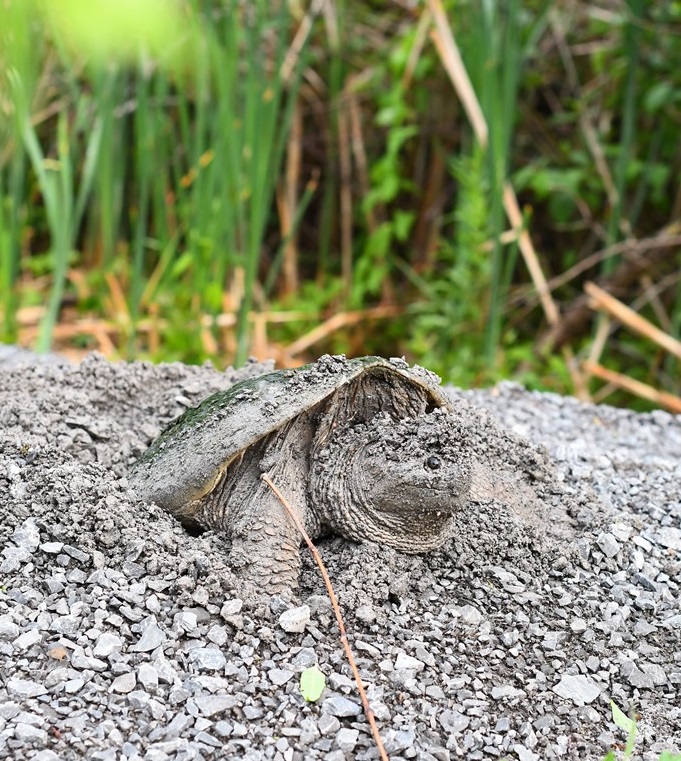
[(182, 264), (402, 222), (621, 719), (659, 95), (628, 725), (312, 683)]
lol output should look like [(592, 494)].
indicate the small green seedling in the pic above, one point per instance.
[(626, 724), (622, 720), (312, 683)]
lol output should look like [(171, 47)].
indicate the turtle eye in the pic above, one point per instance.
[(433, 462)]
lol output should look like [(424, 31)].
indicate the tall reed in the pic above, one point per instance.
[(179, 157)]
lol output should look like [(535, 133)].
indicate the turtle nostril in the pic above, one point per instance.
[(433, 462)]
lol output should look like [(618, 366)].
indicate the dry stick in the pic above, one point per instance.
[(604, 301), (530, 255), (29, 320), (652, 297), (588, 130), (630, 248), (287, 201), (451, 59), (603, 330), (118, 299), (358, 146), (293, 53), (208, 342), (154, 337), (336, 609), (544, 292), (106, 345), (643, 390), (339, 320), (259, 341), (622, 313)]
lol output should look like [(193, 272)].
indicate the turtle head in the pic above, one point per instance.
[(401, 480), (398, 483)]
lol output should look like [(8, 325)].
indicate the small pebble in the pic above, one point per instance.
[(337, 705), (577, 688), (294, 620)]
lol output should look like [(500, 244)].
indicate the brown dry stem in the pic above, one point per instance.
[(603, 301), (635, 387), (368, 711), (110, 334)]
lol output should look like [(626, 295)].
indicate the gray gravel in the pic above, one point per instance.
[(121, 636)]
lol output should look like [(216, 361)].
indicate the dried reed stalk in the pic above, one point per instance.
[(635, 387), (345, 162), (287, 202), (368, 711), (602, 300), (339, 320)]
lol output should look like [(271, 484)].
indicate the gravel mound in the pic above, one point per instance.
[(122, 636)]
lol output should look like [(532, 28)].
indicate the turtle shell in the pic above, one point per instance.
[(189, 456)]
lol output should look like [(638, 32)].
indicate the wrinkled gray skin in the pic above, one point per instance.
[(366, 448)]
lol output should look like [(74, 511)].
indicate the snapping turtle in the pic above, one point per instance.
[(366, 448)]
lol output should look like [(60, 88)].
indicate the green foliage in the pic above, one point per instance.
[(102, 30), (141, 145), (390, 183), (448, 330), (459, 328), (628, 724), (208, 124)]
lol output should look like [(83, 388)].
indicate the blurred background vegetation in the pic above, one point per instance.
[(489, 188)]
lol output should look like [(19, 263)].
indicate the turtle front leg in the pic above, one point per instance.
[(265, 539), (265, 542)]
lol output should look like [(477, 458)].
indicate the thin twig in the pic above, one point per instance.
[(336, 609), (152, 326), (538, 278), (635, 387), (339, 320), (345, 192), (628, 248), (588, 130), (288, 198), (652, 297), (359, 153), (451, 59), (296, 47), (420, 36), (530, 255), (602, 300)]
